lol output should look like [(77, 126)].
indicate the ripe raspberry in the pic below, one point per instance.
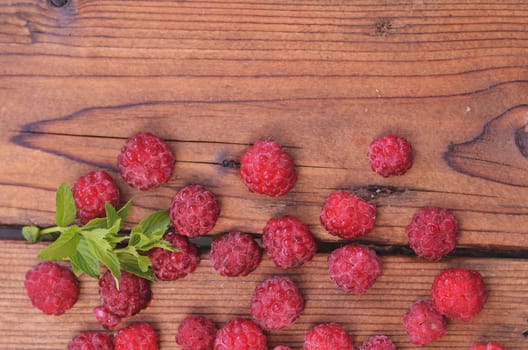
[(281, 347), (378, 342), (138, 336), (487, 346), (354, 268), (196, 333), (52, 288), (133, 295), (432, 233), (347, 216), (276, 303), (170, 266), (288, 242), (91, 341), (194, 211), (145, 161), (91, 192), (329, 336), (240, 334), (458, 293), (390, 155), (423, 324), (235, 254), (266, 168)]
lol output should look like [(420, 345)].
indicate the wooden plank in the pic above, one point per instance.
[(404, 279), (322, 78)]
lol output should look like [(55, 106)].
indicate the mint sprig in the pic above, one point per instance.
[(100, 241)]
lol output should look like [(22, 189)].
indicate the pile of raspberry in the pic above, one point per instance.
[(146, 162)]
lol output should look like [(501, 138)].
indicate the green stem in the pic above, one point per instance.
[(51, 230)]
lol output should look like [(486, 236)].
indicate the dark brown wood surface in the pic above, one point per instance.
[(323, 78)]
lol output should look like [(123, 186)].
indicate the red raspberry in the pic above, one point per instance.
[(145, 161), (91, 192), (487, 346), (329, 336), (288, 242), (235, 254), (240, 334), (52, 288), (347, 216), (282, 347), (267, 169), (170, 266), (458, 293), (423, 324), (194, 211), (133, 295), (354, 268), (138, 336), (378, 342), (432, 233), (390, 155), (91, 341), (196, 333), (276, 303)]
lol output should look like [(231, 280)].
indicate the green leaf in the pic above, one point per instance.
[(159, 220), (63, 247), (123, 212), (65, 210), (129, 263), (143, 263), (83, 261), (158, 244), (103, 251), (95, 223), (31, 233), (111, 215)]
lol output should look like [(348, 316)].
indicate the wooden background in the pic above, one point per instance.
[(323, 78)]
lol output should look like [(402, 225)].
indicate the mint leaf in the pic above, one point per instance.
[(143, 263), (65, 206), (111, 215), (31, 233), (63, 247), (123, 212), (95, 223), (159, 220), (103, 251), (130, 264), (83, 261), (158, 244)]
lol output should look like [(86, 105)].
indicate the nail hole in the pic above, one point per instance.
[(230, 163), (525, 334), (59, 3)]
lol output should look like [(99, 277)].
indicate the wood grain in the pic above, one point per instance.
[(204, 292)]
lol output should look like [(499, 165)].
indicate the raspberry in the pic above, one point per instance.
[(145, 161), (276, 303), (378, 342), (432, 233), (347, 216), (196, 333), (138, 336), (423, 324), (390, 155), (282, 347), (240, 334), (91, 192), (328, 336), (354, 268), (52, 288), (194, 211), (170, 266), (288, 242), (235, 254), (487, 346), (133, 295), (458, 293), (91, 341), (266, 168)]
